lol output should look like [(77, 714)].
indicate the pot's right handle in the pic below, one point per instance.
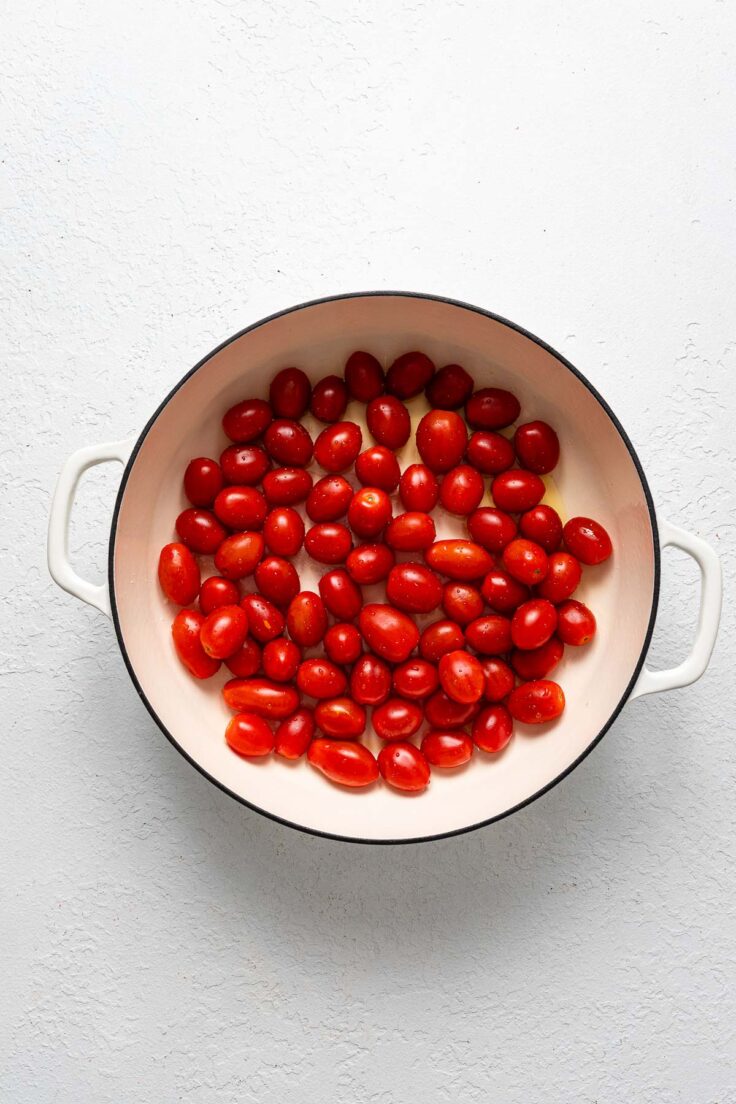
[(650, 682)]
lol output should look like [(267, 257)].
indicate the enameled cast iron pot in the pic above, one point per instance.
[(599, 475)]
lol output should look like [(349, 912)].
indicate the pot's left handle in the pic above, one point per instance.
[(62, 572)]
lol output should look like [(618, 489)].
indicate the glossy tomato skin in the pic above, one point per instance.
[(286, 486), (241, 507), (389, 422), (329, 399), (543, 525), (442, 712), (562, 578), (294, 735), (329, 542), (516, 491), (525, 560), (537, 446), (587, 540), (489, 452), (265, 620), (492, 529), (306, 619), (364, 377), (249, 735), (343, 643), (341, 717), (288, 443), (461, 602), (576, 623), (320, 678), (503, 592), (244, 465), (370, 680), (388, 632), (246, 661), (348, 764), (378, 467), (185, 631), (337, 447), (461, 490), (489, 635), (533, 623), (447, 749), (216, 592), (178, 574), (539, 662), (414, 588), (410, 532), (459, 559), (261, 696), (450, 387), (397, 719), (277, 579), (499, 679), (329, 498), (281, 659), (418, 489), (492, 408), (416, 679), (341, 594), (461, 677), (439, 638), (404, 767), (536, 702), (370, 563), (203, 479), (200, 531), (493, 728), (408, 375), (369, 512), (283, 531), (442, 438), (247, 421), (239, 554), (290, 393), (223, 631)]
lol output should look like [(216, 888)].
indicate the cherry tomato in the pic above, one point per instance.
[(408, 375), (537, 663), (200, 531), (378, 467), (247, 420), (346, 763), (489, 452), (576, 623), (415, 679), (517, 490), (442, 712), (249, 735), (536, 702), (442, 438), (404, 767), (563, 575), (286, 486), (290, 393), (537, 447), (320, 678), (343, 643), (328, 543), (450, 388), (587, 540), (410, 532), (388, 420), (502, 592), (492, 529), (329, 498), (277, 579), (388, 632), (306, 619), (289, 443), (364, 377), (294, 734), (341, 717), (337, 446), (461, 602), (461, 490), (216, 592), (283, 531), (414, 588), (459, 559), (447, 749), (418, 489), (461, 677), (224, 631), (260, 696), (489, 635), (241, 507), (185, 630), (202, 481), (492, 408), (397, 719), (265, 620), (493, 728), (369, 512), (245, 465), (341, 594), (499, 679), (370, 563), (542, 524), (178, 574), (439, 638), (246, 661), (281, 659), (525, 560), (239, 554), (370, 681), (329, 399), (533, 623)]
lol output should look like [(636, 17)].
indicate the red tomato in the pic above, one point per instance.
[(369, 512), (397, 719), (459, 559), (415, 679), (286, 486), (343, 643), (404, 767), (489, 635), (389, 422), (370, 681), (281, 659), (277, 579), (439, 638), (337, 447), (461, 677), (442, 438), (461, 490), (587, 540), (178, 574), (525, 560), (185, 630), (261, 696), (246, 661), (370, 563), (410, 532), (378, 467), (289, 443), (216, 592), (492, 529), (489, 452), (224, 631), (563, 575), (200, 531), (340, 594), (537, 663), (450, 388), (408, 375), (202, 481), (533, 623), (461, 602), (247, 420), (388, 632), (492, 408), (493, 728), (537, 447), (249, 736), (442, 712), (341, 717), (329, 498), (306, 619), (418, 489), (290, 393), (364, 377), (447, 749), (265, 621), (343, 762), (328, 543), (576, 623), (245, 465), (517, 490), (499, 679), (239, 554), (542, 524), (241, 507), (502, 592), (320, 678), (329, 399), (283, 531), (414, 588), (294, 734), (536, 702)]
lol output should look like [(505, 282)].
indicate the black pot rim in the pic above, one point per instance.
[(652, 518)]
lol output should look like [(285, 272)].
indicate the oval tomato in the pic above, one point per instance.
[(450, 387), (294, 734), (239, 555), (185, 631), (249, 735), (492, 408), (493, 728), (461, 677), (414, 588), (178, 574), (404, 767), (459, 559), (306, 619), (289, 393), (349, 764), (341, 717), (388, 632), (224, 631), (364, 377), (397, 719), (261, 696), (247, 420), (536, 702), (442, 438), (447, 749), (203, 479), (587, 540)]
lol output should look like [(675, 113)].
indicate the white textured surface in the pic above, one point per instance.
[(172, 172)]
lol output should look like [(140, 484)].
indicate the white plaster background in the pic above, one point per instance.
[(173, 171)]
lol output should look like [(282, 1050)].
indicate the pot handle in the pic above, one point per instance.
[(62, 572), (691, 668)]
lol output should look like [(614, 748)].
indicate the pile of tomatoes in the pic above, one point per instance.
[(308, 665)]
